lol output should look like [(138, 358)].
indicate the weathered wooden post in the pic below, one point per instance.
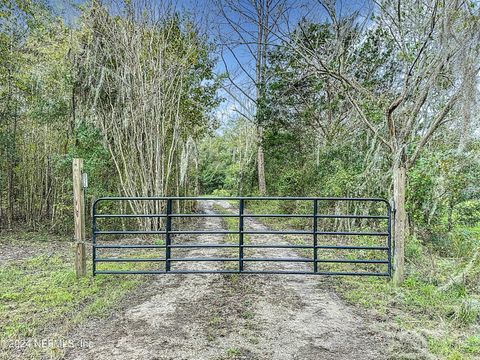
[(79, 217)]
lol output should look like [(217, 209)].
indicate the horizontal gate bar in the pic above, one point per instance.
[(203, 215), (187, 246), (128, 246), (128, 259), (277, 215), (152, 272), (128, 232), (130, 215), (352, 233), (245, 259), (246, 198), (279, 246), (251, 232), (339, 216), (210, 232), (358, 261), (351, 216), (348, 247), (271, 232), (245, 246)]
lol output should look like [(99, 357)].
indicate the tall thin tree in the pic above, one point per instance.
[(245, 53)]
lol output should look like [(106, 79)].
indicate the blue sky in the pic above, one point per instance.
[(206, 14)]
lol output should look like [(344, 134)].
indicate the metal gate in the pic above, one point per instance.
[(319, 237)]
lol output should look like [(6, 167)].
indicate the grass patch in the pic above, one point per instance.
[(231, 224), (43, 290), (233, 353), (41, 296), (28, 237), (450, 317)]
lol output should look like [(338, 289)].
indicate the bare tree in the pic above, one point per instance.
[(247, 44), (137, 84)]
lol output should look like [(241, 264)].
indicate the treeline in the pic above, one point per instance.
[(129, 88)]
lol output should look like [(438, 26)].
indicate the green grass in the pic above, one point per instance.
[(44, 290), (29, 237), (230, 224), (233, 353), (42, 298), (450, 317)]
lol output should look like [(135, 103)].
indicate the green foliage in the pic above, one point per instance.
[(440, 183), (35, 92), (44, 289), (221, 193), (467, 213), (215, 164), (459, 242), (414, 250), (226, 162), (46, 122)]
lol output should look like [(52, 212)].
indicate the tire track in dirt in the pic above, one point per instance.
[(198, 317)]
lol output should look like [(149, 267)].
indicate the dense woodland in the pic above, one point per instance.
[(380, 103)]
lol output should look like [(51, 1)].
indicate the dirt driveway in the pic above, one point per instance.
[(241, 317)]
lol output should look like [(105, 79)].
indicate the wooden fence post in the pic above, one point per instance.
[(79, 218)]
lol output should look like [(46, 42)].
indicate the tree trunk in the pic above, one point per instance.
[(262, 187), (400, 224), (450, 215)]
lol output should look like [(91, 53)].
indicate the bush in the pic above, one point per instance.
[(457, 243), (221, 193), (413, 249), (468, 213)]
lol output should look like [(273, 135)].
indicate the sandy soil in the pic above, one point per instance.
[(242, 317)]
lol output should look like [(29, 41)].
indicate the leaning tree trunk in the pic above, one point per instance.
[(400, 223)]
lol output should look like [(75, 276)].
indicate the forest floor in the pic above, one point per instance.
[(215, 316)]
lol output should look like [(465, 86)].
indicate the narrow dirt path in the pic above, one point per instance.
[(279, 317)]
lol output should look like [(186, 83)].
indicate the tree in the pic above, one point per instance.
[(34, 107), (248, 43), (419, 58), (145, 79), (226, 162), (302, 101)]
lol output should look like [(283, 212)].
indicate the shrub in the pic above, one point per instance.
[(221, 192), (457, 243), (413, 249), (468, 212)]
